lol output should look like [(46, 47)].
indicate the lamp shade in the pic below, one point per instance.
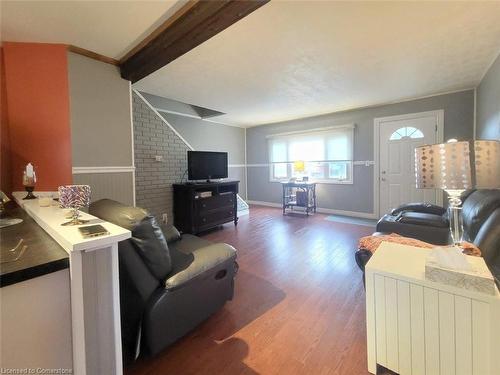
[(443, 166), (487, 164), (74, 196)]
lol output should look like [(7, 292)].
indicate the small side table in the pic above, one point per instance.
[(299, 194), (416, 326)]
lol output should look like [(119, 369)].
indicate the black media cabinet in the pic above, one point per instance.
[(194, 213)]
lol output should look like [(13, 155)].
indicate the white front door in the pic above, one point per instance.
[(398, 137)]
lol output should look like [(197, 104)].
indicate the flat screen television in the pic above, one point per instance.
[(207, 165)]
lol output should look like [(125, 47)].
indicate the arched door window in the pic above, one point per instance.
[(406, 132)]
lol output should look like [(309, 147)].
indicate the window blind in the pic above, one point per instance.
[(326, 145), (328, 154)]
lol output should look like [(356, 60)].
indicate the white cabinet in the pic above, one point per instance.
[(415, 326), (35, 324)]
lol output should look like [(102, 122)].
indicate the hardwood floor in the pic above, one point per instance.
[(298, 306)]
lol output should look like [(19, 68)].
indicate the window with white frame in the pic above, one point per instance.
[(406, 132), (322, 155)]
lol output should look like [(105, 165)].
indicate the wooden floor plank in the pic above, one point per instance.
[(298, 307)]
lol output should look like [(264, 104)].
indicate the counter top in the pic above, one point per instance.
[(43, 255), (50, 219), (49, 243)]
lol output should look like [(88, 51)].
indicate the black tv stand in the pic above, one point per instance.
[(200, 206)]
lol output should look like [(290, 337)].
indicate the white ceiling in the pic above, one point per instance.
[(110, 28), (288, 59), (295, 59)]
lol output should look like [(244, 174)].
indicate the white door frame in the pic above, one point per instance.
[(377, 122)]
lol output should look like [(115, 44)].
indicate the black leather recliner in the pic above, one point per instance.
[(429, 223), (168, 283)]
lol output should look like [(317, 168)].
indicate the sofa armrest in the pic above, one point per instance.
[(203, 259)]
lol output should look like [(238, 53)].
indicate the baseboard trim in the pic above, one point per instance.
[(262, 203), (363, 215)]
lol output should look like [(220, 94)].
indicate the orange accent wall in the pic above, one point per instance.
[(5, 167), (38, 113)]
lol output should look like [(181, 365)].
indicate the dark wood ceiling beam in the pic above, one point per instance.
[(192, 25)]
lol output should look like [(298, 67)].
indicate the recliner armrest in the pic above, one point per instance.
[(426, 208), (203, 259), (419, 218)]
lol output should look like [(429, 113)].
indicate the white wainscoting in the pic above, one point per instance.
[(114, 182)]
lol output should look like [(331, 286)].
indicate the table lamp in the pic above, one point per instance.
[(455, 167), (299, 166), (74, 197)]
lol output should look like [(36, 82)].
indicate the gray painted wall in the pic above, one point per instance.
[(210, 136), (154, 179), (488, 104), (358, 197), (101, 127), (101, 132)]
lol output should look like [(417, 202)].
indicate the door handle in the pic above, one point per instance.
[(382, 179)]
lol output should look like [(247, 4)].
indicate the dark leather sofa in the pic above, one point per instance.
[(168, 283), (429, 223)]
